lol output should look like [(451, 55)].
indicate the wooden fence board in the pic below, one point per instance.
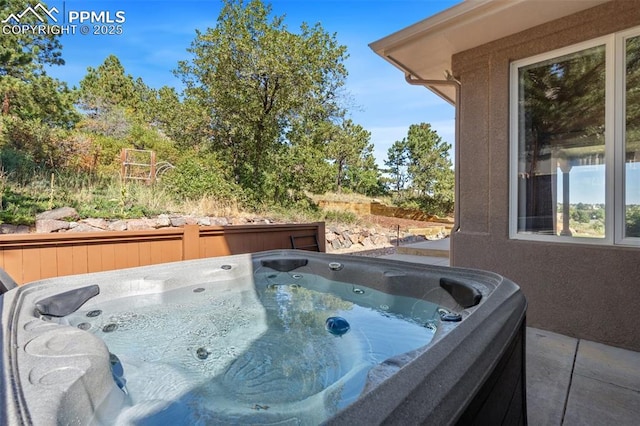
[(64, 259), (31, 265), (120, 255), (107, 256), (133, 256), (79, 259), (13, 264), (48, 262), (30, 257), (145, 253), (94, 258)]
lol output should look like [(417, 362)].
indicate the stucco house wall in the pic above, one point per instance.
[(586, 291)]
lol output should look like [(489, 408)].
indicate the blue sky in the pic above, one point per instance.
[(156, 34)]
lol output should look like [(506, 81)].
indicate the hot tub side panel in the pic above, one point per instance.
[(435, 384)]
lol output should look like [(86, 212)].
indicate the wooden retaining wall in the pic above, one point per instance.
[(30, 257), (379, 209)]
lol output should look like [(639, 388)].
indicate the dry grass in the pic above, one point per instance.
[(347, 197), (210, 206)]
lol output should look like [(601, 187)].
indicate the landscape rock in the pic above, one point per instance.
[(379, 239), (238, 221), (163, 221), (45, 226), (96, 223), (140, 224), (204, 221), (219, 221), (118, 225), (178, 221), (7, 228), (84, 227), (58, 214)]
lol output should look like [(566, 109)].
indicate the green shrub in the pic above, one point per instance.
[(17, 165), (340, 216), (20, 208), (437, 205), (195, 177)]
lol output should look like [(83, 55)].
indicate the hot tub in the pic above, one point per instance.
[(278, 337)]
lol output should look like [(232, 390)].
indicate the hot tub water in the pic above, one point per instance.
[(239, 352)]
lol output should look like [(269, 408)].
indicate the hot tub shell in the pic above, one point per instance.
[(473, 371)]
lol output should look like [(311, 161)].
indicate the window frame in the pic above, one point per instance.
[(614, 134), (620, 122)]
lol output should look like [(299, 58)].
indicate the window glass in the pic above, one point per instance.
[(561, 145), (632, 137)]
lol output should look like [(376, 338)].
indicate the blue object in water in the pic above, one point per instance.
[(337, 326), (117, 371)]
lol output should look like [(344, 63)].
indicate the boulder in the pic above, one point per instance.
[(96, 223), (45, 226), (366, 242), (23, 229), (118, 225), (140, 224), (379, 239), (219, 221), (7, 228), (84, 227), (354, 238), (178, 221), (163, 221), (204, 221), (58, 214)]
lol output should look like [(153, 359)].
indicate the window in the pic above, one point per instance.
[(575, 143), (631, 127)]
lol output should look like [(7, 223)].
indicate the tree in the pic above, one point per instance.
[(123, 112), (419, 166), (108, 87), (182, 120), (25, 53), (26, 91), (345, 149), (429, 166), (36, 109), (364, 176), (307, 166), (397, 162), (40, 98), (255, 79)]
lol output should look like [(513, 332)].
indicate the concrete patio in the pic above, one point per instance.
[(570, 382)]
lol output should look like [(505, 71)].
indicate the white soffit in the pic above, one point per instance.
[(424, 49)]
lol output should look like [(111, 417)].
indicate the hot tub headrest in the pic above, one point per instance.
[(464, 294), (62, 304), (6, 282), (284, 265)]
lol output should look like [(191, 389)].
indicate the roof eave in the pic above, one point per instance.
[(424, 50)]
